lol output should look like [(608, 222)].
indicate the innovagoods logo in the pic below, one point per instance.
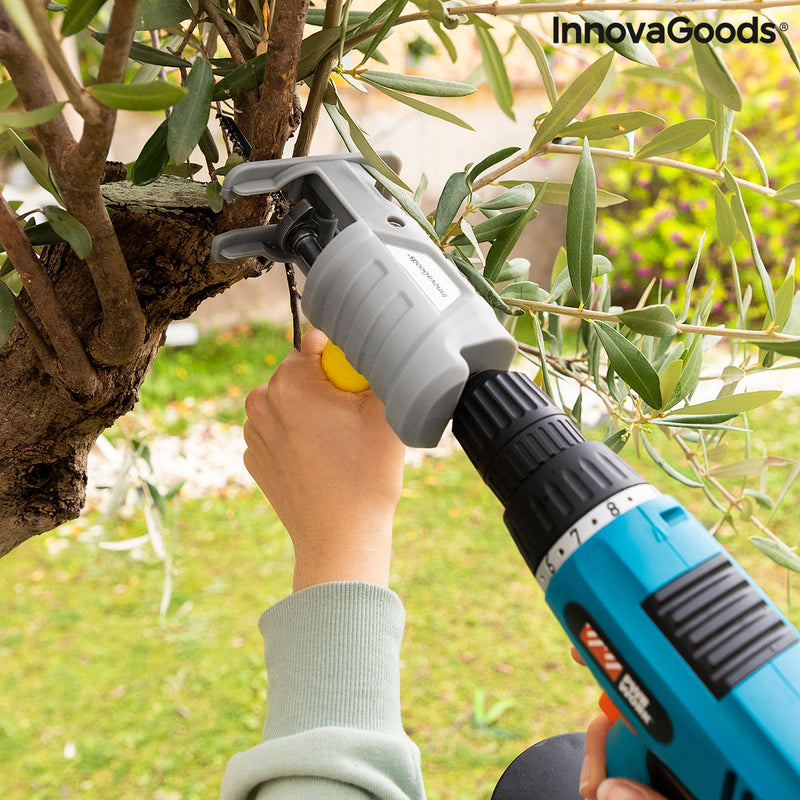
[(679, 30)]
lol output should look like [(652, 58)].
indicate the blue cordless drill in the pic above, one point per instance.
[(701, 668)]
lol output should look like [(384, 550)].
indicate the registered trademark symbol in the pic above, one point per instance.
[(784, 26)]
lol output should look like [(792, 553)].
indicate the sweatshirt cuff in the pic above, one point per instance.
[(332, 653)]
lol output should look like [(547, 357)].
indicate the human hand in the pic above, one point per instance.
[(331, 467), (594, 785)]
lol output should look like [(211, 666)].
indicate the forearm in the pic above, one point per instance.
[(333, 726)]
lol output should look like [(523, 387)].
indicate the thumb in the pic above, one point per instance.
[(623, 789)]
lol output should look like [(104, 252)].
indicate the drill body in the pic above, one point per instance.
[(702, 667)]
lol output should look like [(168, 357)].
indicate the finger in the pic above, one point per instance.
[(593, 772), (623, 789), (313, 342), (576, 656)]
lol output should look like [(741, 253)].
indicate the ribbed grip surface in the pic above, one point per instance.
[(719, 623), (534, 459)]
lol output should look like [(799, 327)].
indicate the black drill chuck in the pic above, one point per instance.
[(531, 455)]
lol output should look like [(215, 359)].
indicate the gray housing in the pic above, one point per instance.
[(380, 289)]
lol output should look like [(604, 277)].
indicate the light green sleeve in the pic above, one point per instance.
[(333, 728)]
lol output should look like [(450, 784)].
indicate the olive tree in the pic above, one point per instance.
[(87, 293)]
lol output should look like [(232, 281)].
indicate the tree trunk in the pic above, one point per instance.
[(45, 432)]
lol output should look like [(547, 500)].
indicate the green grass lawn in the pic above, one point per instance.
[(101, 698)]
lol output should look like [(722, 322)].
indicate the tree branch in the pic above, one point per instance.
[(587, 313), (34, 90), (219, 23), (322, 74), (99, 127), (57, 61), (74, 370), (275, 108)]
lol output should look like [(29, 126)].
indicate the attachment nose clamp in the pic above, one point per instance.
[(299, 237)]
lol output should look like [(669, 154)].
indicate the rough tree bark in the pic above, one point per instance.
[(46, 432), (160, 247)]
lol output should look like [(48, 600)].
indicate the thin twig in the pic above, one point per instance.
[(219, 23), (35, 91), (496, 10), (57, 61), (656, 161), (75, 370), (732, 501), (587, 313), (557, 366), (319, 86), (99, 129), (294, 298)]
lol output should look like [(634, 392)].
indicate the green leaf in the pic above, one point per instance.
[(520, 195), (635, 51), (37, 165), (726, 224), (385, 29), (490, 161), (137, 97), (581, 217), (504, 243), (355, 138), (69, 229), (144, 54), (189, 118), (495, 69), (689, 285), (617, 440), (312, 51), (782, 348), (656, 320), (600, 266), (676, 137), (8, 94), (743, 222), (749, 466), (532, 43), (489, 230), (715, 75), (208, 147), (419, 105), (666, 466), (732, 404), (79, 14), (484, 288), (787, 42), (756, 156), (526, 290), (608, 125), (720, 136), (416, 84), (789, 192), (153, 158), (7, 313), (453, 195), (557, 194), (630, 364), (668, 380), (573, 100), (214, 196), (157, 14), (242, 79), (515, 269), (29, 119), (778, 553)]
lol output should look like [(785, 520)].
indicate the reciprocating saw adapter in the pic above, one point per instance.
[(701, 668)]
